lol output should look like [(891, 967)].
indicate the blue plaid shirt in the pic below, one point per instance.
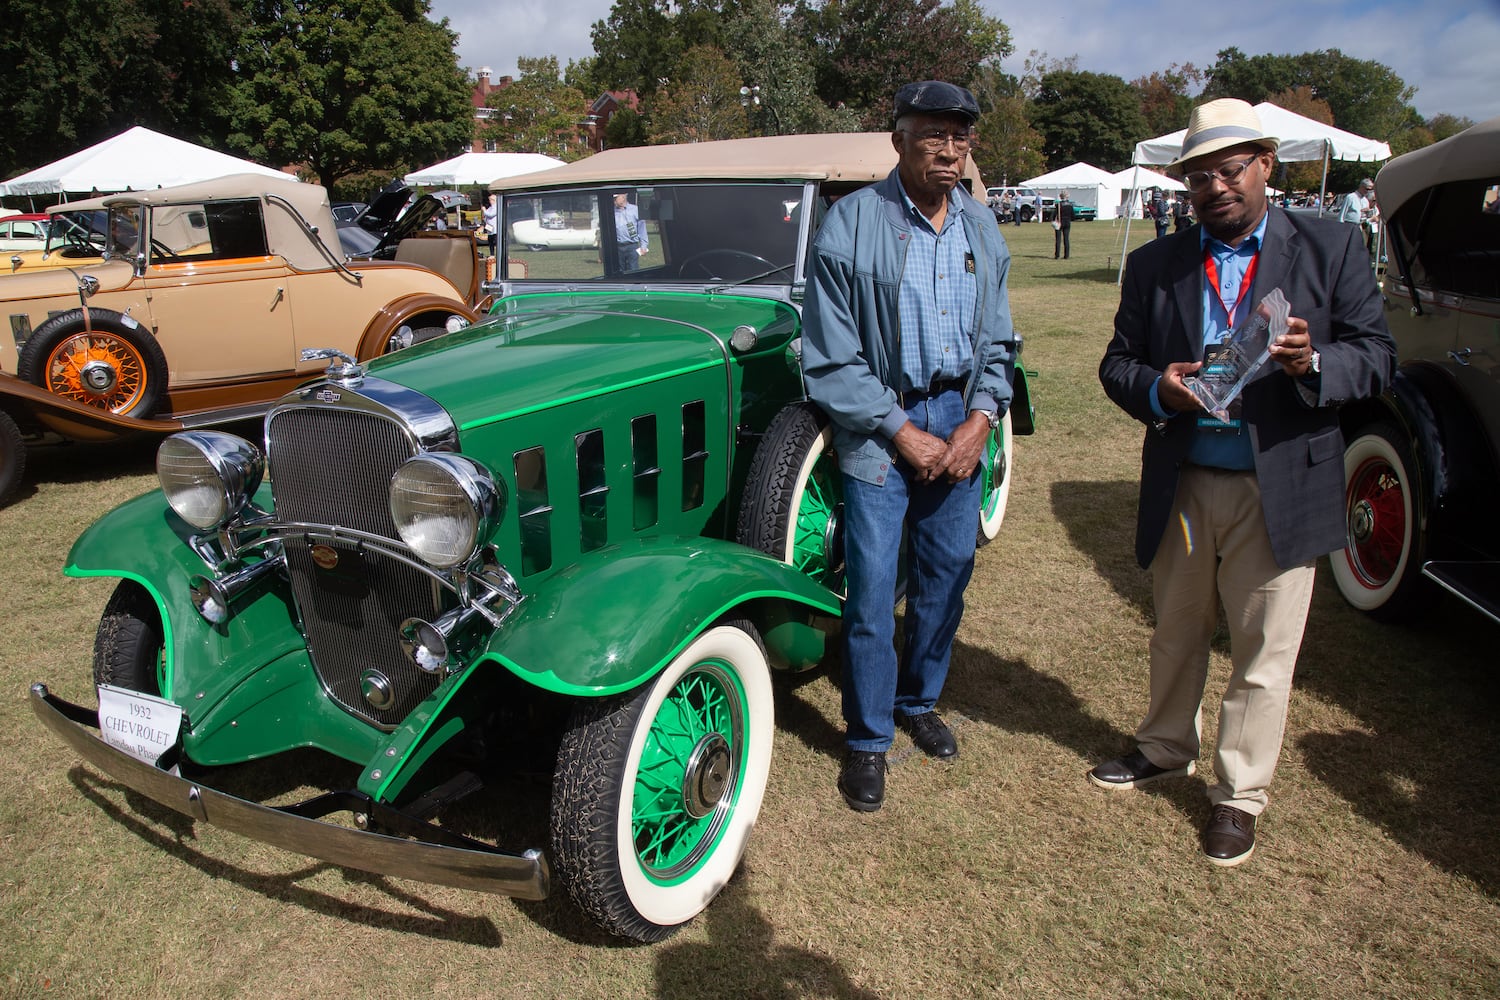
[(938, 296)]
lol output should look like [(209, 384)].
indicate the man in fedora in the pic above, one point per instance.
[(908, 347), (1236, 511)]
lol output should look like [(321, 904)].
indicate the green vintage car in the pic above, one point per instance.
[(574, 538)]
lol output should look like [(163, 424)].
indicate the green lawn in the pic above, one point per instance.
[(1376, 872)]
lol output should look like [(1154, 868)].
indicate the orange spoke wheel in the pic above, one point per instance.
[(98, 369)]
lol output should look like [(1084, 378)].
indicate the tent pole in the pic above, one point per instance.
[(1323, 187), (1135, 181)]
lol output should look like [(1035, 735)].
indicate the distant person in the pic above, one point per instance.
[(1063, 227), (1159, 213), (1236, 512), (1038, 215), (1357, 211), (631, 243), (489, 218), (1007, 206), (1182, 212)]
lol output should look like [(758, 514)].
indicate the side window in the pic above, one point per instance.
[(219, 230)]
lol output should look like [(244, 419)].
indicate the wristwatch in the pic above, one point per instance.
[(993, 416)]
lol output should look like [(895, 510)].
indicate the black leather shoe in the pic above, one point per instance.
[(930, 733), (1133, 770), (862, 780), (1228, 836)]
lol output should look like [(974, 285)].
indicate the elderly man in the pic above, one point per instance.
[(1238, 510), (631, 243), (908, 347)]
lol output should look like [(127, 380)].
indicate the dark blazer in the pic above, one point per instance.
[(1324, 271)]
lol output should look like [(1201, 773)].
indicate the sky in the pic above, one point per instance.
[(1448, 49)]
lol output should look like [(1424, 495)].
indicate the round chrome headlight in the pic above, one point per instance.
[(444, 506), (208, 476)]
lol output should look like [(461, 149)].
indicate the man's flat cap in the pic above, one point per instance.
[(934, 97)]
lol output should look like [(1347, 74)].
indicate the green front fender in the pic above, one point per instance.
[(620, 614)]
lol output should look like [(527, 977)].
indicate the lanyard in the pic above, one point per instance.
[(1211, 272)]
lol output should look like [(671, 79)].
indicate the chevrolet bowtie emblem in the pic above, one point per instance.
[(329, 396)]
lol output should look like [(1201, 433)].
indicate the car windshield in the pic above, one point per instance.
[(657, 234)]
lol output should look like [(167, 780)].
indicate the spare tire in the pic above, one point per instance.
[(111, 362)]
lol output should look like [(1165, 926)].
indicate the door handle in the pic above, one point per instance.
[(1462, 357), (280, 294)]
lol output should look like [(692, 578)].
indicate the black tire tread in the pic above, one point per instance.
[(129, 640), (765, 515), (71, 323)]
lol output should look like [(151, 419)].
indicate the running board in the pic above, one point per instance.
[(1477, 584)]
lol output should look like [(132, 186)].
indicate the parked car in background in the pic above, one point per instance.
[(577, 536), (1022, 198), (190, 305), (27, 231), (1422, 463)]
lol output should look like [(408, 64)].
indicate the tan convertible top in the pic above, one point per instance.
[(286, 237), (857, 157), (1473, 153)]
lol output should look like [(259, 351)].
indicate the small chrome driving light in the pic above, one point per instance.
[(444, 505), (208, 476)]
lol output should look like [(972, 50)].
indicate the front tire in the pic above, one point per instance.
[(1379, 570), (106, 360), (1000, 453), (128, 646), (792, 506), (657, 790), (12, 456)]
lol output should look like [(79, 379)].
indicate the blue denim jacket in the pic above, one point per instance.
[(851, 357)]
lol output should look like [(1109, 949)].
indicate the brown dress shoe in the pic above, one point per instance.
[(1133, 770), (1229, 836)]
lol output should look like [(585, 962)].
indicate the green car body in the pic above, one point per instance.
[(652, 524)]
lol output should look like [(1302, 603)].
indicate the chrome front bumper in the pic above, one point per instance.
[(434, 855)]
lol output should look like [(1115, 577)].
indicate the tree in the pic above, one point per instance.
[(1009, 149), (348, 85), (79, 72), (1307, 176), (643, 41), (1165, 97), (865, 49), (538, 113), (1091, 117), (701, 103), (771, 58)]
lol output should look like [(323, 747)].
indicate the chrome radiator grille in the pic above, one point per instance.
[(334, 466)]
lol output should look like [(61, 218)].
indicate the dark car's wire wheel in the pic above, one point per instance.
[(657, 790), (1379, 570), (793, 500), (128, 646), (109, 362), (12, 456), (1000, 459)]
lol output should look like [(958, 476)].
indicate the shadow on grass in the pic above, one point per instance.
[(432, 921), (743, 958), (1422, 766), (1099, 518)]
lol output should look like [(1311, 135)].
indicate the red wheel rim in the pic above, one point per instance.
[(1377, 526)]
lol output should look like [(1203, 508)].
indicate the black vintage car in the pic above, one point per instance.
[(1422, 465)]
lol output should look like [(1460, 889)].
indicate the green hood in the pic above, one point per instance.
[(541, 350)]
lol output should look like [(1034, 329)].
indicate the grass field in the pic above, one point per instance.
[(1376, 872)]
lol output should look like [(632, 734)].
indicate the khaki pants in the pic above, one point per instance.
[(1216, 549)]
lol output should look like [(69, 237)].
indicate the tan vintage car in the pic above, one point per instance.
[(198, 304)]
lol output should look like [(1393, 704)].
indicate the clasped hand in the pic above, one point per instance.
[(932, 458)]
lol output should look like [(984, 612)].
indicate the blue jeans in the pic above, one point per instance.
[(941, 520)]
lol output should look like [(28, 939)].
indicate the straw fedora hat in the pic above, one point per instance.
[(1218, 125)]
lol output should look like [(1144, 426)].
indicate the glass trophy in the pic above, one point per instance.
[(1230, 365)]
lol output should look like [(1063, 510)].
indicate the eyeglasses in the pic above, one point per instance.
[(1229, 173), (933, 140)]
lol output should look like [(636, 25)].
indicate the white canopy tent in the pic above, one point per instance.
[(1085, 183), (1302, 140), (137, 159), (1133, 180), (479, 169)]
